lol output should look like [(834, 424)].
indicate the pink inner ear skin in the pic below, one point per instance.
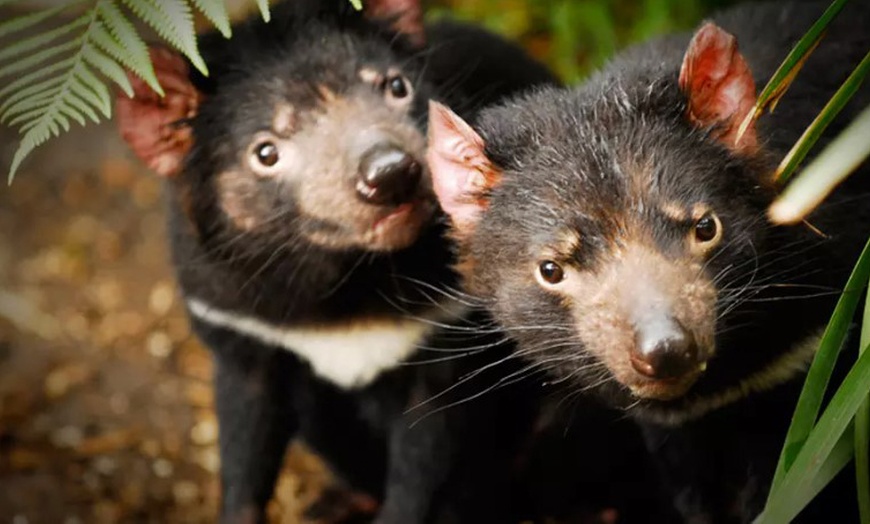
[(148, 123), (719, 85), (459, 167), (408, 15)]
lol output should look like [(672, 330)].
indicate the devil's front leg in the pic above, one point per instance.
[(256, 420), (452, 462)]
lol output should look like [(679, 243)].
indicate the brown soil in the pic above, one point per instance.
[(105, 396)]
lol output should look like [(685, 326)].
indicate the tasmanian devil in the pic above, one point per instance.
[(625, 220), (305, 234)]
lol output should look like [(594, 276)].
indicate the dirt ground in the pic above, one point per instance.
[(105, 396)]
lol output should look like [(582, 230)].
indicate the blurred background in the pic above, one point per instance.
[(105, 399)]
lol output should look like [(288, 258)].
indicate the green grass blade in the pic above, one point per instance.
[(839, 458), (784, 503), (836, 162), (357, 4), (810, 401), (862, 433), (812, 134), (782, 78)]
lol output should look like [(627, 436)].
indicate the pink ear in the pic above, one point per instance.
[(408, 15), (153, 126), (719, 85), (460, 170)]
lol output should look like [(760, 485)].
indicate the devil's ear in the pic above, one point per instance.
[(719, 86), (156, 127), (406, 16), (461, 172)]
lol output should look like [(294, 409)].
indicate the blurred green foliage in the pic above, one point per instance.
[(576, 36)]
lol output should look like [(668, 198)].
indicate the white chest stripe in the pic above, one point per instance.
[(350, 356)]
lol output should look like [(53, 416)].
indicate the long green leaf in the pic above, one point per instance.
[(812, 134), (83, 107), (783, 76), (862, 433), (781, 506), (840, 456), (813, 391), (836, 162), (26, 106)]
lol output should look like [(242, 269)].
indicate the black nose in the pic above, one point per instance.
[(665, 351), (388, 176)]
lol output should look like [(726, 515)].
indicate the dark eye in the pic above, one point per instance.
[(397, 87), (551, 272), (267, 154), (706, 228)]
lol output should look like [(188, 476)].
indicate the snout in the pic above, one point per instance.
[(665, 350), (388, 176)]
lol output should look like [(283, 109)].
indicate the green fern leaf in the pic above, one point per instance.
[(69, 111), (172, 21), (29, 103), (109, 68), (21, 23), (216, 12), (132, 53), (36, 74), (29, 115), (83, 106), (33, 90), (38, 57), (40, 40), (86, 85), (264, 9)]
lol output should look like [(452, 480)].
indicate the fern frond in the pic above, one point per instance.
[(52, 76), (216, 12), (39, 41), (39, 57), (31, 91), (31, 77), (109, 68), (27, 21), (173, 22), (29, 103), (119, 39)]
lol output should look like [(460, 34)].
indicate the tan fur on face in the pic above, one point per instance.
[(343, 129), (634, 276), (674, 211), (284, 122), (236, 193)]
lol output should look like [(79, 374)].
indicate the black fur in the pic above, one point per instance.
[(565, 157), (455, 464)]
